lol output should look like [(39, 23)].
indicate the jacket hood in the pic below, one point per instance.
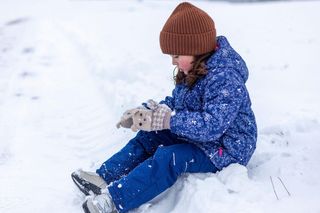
[(226, 57)]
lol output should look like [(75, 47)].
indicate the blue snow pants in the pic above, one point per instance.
[(148, 165)]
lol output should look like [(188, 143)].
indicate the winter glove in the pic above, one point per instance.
[(154, 117), (126, 120)]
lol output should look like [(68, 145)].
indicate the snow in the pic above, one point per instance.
[(68, 69)]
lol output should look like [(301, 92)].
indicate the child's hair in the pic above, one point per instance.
[(198, 71)]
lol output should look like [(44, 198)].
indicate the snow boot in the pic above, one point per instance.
[(88, 182), (99, 204)]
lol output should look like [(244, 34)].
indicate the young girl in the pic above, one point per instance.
[(204, 126)]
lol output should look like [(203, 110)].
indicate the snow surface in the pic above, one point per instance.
[(68, 69)]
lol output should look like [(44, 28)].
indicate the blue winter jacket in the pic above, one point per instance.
[(215, 114)]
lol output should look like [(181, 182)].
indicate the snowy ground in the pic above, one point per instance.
[(68, 69)]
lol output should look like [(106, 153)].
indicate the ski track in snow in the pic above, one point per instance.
[(56, 115)]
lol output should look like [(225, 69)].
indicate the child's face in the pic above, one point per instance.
[(183, 62)]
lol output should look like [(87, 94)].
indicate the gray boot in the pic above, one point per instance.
[(99, 204), (88, 182)]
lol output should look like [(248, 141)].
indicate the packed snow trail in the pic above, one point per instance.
[(53, 116)]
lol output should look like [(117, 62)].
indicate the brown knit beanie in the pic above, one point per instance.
[(188, 31)]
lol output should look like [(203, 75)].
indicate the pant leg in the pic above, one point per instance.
[(136, 151), (158, 173)]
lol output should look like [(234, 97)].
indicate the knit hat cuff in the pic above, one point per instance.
[(187, 44)]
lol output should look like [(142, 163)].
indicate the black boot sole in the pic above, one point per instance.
[(85, 207), (84, 186)]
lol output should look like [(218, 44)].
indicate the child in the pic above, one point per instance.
[(206, 125)]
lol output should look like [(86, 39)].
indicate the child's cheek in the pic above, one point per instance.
[(185, 66)]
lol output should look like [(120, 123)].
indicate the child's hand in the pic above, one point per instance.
[(126, 120), (142, 120), (153, 119)]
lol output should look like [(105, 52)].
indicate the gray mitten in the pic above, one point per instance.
[(157, 117)]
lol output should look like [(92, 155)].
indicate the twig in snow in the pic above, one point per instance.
[(284, 186), (274, 190)]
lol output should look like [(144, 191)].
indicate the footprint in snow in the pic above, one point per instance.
[(16, 21), (18, 94), (26, 74), (35, 98), (28, 50)]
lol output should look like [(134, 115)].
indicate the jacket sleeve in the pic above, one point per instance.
[(222, 99), (169, 101)]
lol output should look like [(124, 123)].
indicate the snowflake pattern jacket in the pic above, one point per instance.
[(215, 114)]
